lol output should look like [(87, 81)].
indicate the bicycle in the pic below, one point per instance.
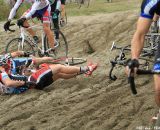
[(122, 60), (24, 42)]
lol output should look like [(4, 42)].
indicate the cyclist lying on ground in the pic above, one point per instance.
[(14, 65), (41, 10), (39, 78), (148, 9)]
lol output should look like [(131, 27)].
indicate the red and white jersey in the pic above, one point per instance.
[(36, 5)]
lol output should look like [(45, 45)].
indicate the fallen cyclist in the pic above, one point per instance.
[(39, 78), (15, 63)]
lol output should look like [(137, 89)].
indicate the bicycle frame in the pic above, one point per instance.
[(24, 36)]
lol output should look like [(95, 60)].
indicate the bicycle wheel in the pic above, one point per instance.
[(75, 61), (61, 45), (68, 61), (16, 45)]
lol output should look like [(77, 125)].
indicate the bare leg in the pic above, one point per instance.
[(31, 32), (42, 60), (157, 89), (49, 33), (63, 76), (64, 69), (62, 11)]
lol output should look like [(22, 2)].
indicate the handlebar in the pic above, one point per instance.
[(131, 82), (120, 48), (11, 30), (26, 27), (12, 24), (113, 63), (139, 72)]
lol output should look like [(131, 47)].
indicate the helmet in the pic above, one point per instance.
[(4, 59)]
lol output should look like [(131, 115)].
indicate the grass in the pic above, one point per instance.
[(96, 6), (101, 6), (5, 9)]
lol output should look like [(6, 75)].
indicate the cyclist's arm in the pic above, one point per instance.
[(137, 44), (10, 83), (14, 9), (17, 53)]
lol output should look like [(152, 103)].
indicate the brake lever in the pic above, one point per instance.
[(112, 77), (131, 81), (11, 29)]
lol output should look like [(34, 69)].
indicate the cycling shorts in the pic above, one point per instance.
[(42, 14), (63, 2), (149, 8), (43, 77)]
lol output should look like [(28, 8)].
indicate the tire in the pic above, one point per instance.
[(61, 50), (68, 61), (76, 61), (16, 45)]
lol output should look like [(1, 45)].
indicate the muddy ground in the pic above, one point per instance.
[(82, 103)]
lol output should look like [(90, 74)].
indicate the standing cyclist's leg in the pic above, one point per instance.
[(157, 89), (56, 26), (63, 11), (30, 30), (46, 26), (156, 67)]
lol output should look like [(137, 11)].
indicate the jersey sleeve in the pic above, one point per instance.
[(58, 6), (148, 9), (14, 9), (34, 7)]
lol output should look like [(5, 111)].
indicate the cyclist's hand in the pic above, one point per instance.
[(7, 25), (132, 67), (21, 21)]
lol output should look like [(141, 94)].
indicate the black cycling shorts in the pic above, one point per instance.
[(42, 77)]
